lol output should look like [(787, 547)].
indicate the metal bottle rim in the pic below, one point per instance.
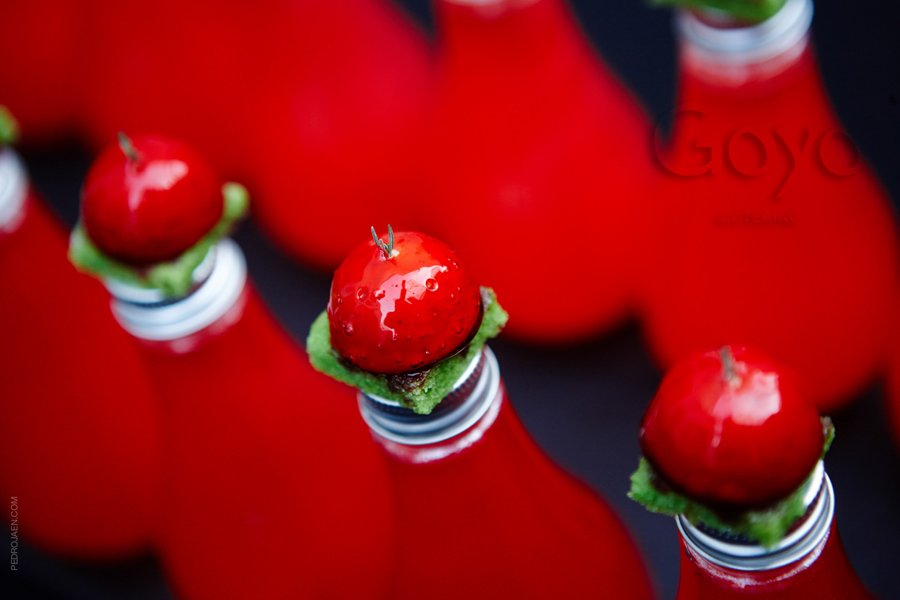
[(13, 190), (381, 414), (777, 34), (819, 497), (147, 314)]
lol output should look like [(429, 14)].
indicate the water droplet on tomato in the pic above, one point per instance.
[(362, 293), (348, 328), (430, 284)]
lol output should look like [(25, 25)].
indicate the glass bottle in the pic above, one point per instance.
[(808, 563), (273, 488), (770, 227), (482, 512), (539, 139), (79, 431)]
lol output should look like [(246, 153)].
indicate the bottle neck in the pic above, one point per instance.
[(740, 554), (726, 53), (506, 38), (219, 283), (456, 423), (13, 191)]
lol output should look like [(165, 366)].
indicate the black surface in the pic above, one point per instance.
[(583, 404)]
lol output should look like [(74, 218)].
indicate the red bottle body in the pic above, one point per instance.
[(486, 514), (336, 142), (79, 431), (40, 65), (537, 166), (273, 487), (824, 573), (771, 229)]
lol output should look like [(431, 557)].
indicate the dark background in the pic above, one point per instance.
[(584, 404)]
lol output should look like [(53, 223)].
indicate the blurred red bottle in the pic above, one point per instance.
[(273, 488), (336, 123), (40, 65), (483, 513), (809, 563), (185, 69), (772, 230), (267, 465), (79, 433), (538, 165)]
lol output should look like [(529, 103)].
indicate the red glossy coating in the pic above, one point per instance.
[(825, 574), (730, 427), (776, 233), (79, 428), (398, 314), (269, 465), (487, 515), (152, 206), (538, 167)]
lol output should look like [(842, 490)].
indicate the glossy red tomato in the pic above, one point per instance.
[(730, 427), (149, 199), (397, 307), (538, 166)]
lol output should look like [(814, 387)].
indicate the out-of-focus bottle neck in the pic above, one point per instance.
[(13, 191), (458, 422), (731, 54), (740, 554), (219, 283)]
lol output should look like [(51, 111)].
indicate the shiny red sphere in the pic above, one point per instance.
[(730, 427), (400, 313), (152, 206)]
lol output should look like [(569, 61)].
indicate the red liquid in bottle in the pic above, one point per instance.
[(40, 65), (274, 488), (79, 432), (772, 229), (485, 514), (339, 115), (822, 571), (537, 166)]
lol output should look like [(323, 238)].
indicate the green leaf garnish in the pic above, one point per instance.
[(9, 128), (766, 526), (172, 278), (753, 11), (431, 387)]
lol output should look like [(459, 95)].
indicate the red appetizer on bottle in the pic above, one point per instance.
[(173, 200), (434, 304), (733, 450), (79, 431), (730, 428), (265, 457), (481, 511)]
